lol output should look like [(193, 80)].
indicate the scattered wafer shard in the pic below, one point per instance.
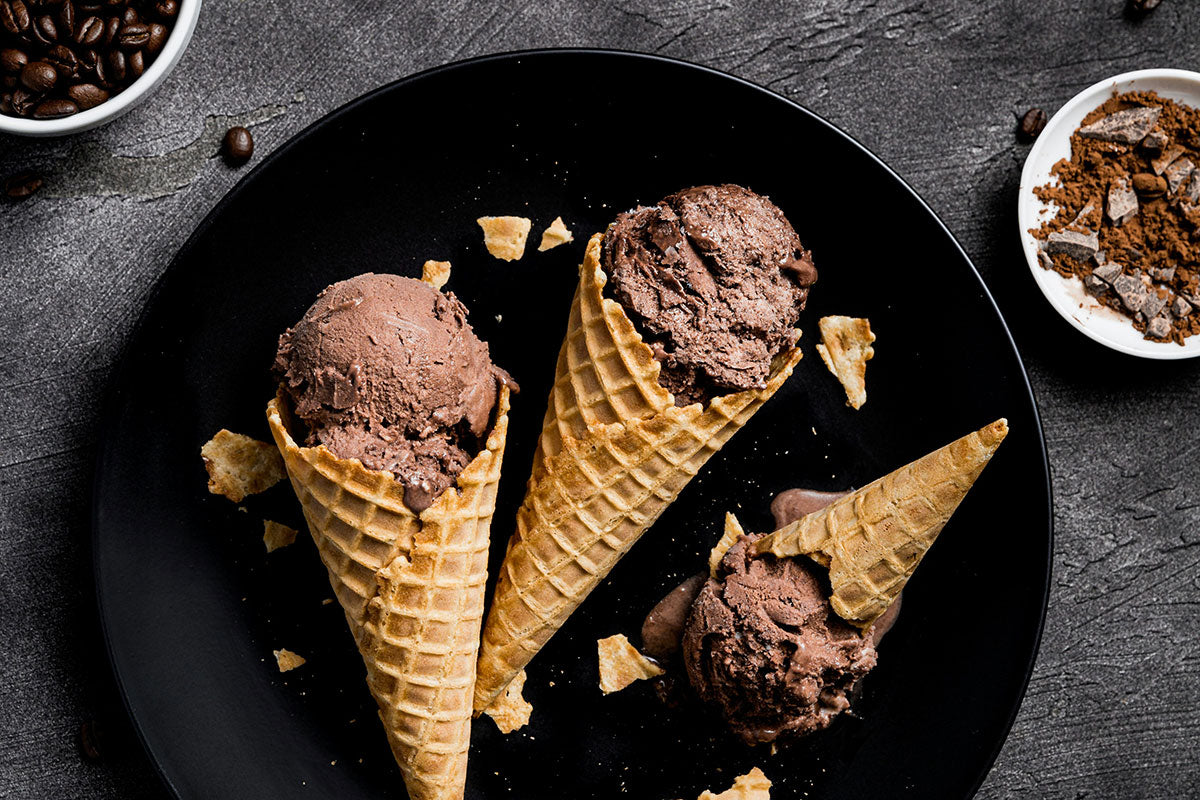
[(277, 535), (505, 237), (1094, 285), (1159, 328), (1107, 272), (1155, 140), (846, 348), (239, 466), (1166, 159), (555, 235), (1122, 201), (621, 664), (1153, 305), (1181, 308), (1131, 291), (436, 273), (754, 785), (511, 711), (1077, 245), (873, 539), (1191, 189), (1128, 126), (733, 532), (287, 661), (1177, 173)]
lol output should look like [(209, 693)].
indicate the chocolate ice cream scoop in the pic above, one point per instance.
[(387, 370), (764, 647), (715, 279)]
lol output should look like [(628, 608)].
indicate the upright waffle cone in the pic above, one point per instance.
[(614, 452), (872, 539), (412, 588)]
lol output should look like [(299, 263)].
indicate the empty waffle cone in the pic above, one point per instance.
[(872, 539), (412, 588), (614, 452)]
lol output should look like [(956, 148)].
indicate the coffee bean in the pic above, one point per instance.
[(21, 185), (6, 106), (158, 37), (238, 146), (1148, 184), (134, 37), (63, 59), (12, 60), (166, 9), (66, 18), (87, 95), (14, 17), (90, 30), (111, 26), (1140, 7), (137, 65), (118, 66), (129, 16), (39, 76), (44, 30), (23, 101), (55, 108), (1032, 124)]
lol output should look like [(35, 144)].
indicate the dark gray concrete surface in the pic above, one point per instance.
[(931, 86)]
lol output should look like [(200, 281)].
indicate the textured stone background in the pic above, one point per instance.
[(931, 86)]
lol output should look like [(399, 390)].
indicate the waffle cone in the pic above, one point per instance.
[(614, 452), (872, 539), (412, 588)]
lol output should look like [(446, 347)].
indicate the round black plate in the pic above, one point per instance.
[(193, 606)]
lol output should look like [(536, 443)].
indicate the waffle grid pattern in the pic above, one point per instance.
[(873, 539), (412, 588), (614, 453)]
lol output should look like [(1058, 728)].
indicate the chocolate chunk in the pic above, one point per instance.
[(1153, 305), (1131, 291), (1122, 202), (1128, 126), (1159, 328), (1082, 218), (1181, 308), (1094, 285), (1077, 245), (1178, 172), (1164, 274), (1108, 272), (1155, 140), (1166, 159), (1101, 258), (1191, 189)]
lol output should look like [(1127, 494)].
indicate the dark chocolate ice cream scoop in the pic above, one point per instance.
[(387, 370), (715, 278)]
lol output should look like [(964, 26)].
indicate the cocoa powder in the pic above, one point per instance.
[(1158, 246)]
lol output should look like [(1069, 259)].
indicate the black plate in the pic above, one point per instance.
[(193, 607)]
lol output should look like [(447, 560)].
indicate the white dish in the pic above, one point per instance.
[(1067, 295), (177, 42)]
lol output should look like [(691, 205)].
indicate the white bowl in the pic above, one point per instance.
[(181, 34), (1067, 294)]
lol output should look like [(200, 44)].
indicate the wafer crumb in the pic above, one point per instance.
[(510, 710), (277, 535), (621, 664), (754, 785), (505, 237), (238, 465), (733, 532), (436, 273), (288, 661), (555, 235), (846, 348)]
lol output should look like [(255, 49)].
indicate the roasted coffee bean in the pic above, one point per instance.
[(21, 185), (111, 26), (134, 37), (158, 37), (63, 59), (137, 65), (39, 76), (12, 60), (1140, 7), (238, 145), (55, 108), (23, 101), (66, 18), (118, 66), (14, 16), (87, 95), (90, 31), (129, 16), (44, 30), (1032, 124), (100, 69), (166, 9)]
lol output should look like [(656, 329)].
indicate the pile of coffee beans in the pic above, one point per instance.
[(60, 57)]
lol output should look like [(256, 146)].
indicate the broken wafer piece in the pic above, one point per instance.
[(277, 535), (505, 237), (733, 532), (435, 273), (846, 348), (287, 661), (621, 664), (238, 465), (555, 235), (754, 785), (511, 710)]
